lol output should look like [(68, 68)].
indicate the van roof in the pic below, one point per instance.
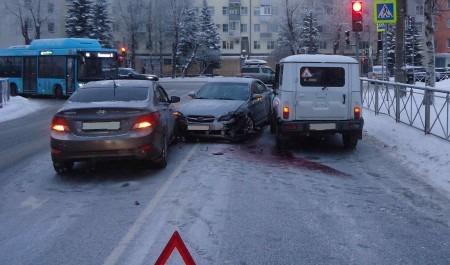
[(318, 58)]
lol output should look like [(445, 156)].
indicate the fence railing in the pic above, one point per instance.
[(424, 108)]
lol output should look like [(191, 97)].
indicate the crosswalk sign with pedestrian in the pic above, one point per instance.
[(385, 11)]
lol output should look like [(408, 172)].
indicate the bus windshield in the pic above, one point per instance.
[(96, 66)]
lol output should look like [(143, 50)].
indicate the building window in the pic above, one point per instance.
[(212, 11), (225, 28), (257, 45), (448, 4), (28, 23), (448, 23), (115, 27), (256, 27), (322, 45), (234, 11), (243, 27), (256, 11), (233, 25), (51, 27), (244, 10), (225, 10), (271, 45), (266, 10), (227, 45), (51, 8), (419, 10)]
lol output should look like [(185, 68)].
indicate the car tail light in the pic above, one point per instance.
[(147, 121), (60, 125), (286, 112), (357, 113)]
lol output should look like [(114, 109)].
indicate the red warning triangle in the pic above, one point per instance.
[(175, 242)]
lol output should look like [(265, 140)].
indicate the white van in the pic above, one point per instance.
[(317, 95)]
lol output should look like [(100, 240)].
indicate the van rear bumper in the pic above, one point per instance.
[(321, 127)]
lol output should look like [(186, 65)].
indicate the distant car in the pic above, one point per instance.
[(442, 73), (229, 108), (254, 68), (379, 73), (114, 119), (415, 74), (130, 73)]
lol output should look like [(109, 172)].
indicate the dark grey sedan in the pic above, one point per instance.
[(229, 108), (114, 119)]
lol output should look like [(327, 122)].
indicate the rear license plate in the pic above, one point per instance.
[(108, 125), (322, 126), (198, 127)]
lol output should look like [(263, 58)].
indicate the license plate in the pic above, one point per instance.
[(322, 126), (108, 125), (198, 127)]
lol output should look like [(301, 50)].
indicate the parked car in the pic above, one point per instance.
[(130, 73), (415, 74), (442, 73), (379, 72), (230, 108), (253, 68), (114, 119)]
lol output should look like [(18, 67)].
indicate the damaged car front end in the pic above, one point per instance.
[(226, 108)]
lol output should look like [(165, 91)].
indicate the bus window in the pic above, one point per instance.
[(11, 67), (51, 67)]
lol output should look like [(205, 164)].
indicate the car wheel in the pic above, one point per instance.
[(161, 162), (249, 125), (272, 124), (350, 141), (63, 167), (13, 90), (57, 92)]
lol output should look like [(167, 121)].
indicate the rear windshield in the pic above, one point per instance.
[(322, 76), (250, 70), (120, 93)]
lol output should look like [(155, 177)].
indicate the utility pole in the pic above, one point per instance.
[(399, 40)]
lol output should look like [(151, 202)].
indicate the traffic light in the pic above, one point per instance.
[(347, 37), (357, 16), (124, 51)]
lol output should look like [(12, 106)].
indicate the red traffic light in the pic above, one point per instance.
[(357, 6), (124, 51), (357, 16)]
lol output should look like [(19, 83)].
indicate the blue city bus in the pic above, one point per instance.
[(56, 67)]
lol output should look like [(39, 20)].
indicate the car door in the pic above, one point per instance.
[(260, 107), (323, 92), (166, 109)]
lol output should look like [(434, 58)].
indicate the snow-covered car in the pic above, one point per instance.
[(230, 108), (379, 72)]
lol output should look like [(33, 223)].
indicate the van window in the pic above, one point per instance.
[(322, 76)]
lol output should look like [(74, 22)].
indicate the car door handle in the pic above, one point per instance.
[(344, 99)]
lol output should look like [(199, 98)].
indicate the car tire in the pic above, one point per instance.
[(249, 126), (63, 167), (13, 90), (350, 140), (161, 162), (58, 93), (272, 124)]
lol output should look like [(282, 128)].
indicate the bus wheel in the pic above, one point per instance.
[(13, 90), (57, 92)]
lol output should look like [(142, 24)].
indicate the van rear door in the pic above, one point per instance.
[(323, 92)]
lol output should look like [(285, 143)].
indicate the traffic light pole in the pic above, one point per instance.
[(357, 47)]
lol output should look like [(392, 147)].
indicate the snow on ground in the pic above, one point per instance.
[(426, 154)]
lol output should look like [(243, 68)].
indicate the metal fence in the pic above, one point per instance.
[(421, 107)]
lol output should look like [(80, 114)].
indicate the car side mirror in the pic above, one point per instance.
[(191, 94), (174, 99)]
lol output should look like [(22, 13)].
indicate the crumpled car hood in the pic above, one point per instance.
[(206, 107)]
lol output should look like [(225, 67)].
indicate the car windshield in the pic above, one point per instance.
[(225, 90), (101, 94)]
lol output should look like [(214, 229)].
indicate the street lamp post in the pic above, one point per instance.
[(242, 58)]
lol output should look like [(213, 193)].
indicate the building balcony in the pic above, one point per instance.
[(265, 18), (234, 17), (234, 34), (235, 2), (265, 2)]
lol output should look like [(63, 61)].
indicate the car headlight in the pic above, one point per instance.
[(226, 117)]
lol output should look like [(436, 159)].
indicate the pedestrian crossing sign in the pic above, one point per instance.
[(385, 11)]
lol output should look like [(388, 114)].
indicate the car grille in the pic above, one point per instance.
[(200, 119)]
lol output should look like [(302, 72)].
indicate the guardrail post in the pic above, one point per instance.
[(397, 102), (427, 104), (376, 98)]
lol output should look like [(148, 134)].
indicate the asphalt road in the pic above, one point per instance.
[(315, 203)]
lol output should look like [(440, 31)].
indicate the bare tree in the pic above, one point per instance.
[(17, 10), (38, 19)]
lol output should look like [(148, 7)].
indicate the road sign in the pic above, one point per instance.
[(381, 27), (385, 11), (175, 242)]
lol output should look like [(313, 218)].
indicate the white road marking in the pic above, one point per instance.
[(140, 221)]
